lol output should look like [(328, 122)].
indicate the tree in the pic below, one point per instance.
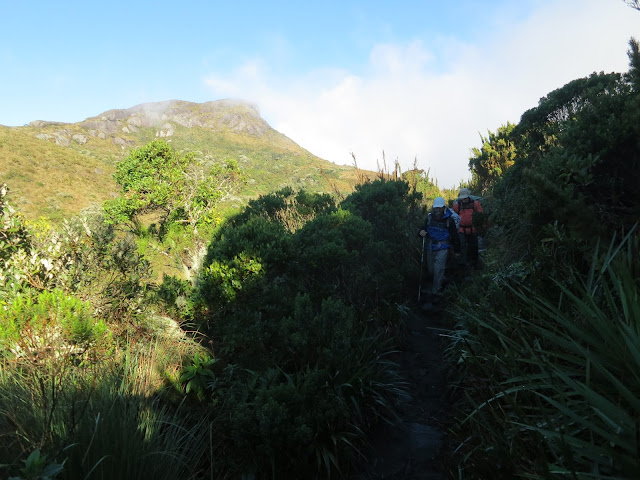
[(179, 186), (491, 161), (541, 128), (633, 76)]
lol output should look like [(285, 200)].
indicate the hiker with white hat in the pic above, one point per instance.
[(439, 235)]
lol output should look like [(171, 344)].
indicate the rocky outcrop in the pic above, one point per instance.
[(242, 123), (123, 142), (122, 125), (62, 137), (166, 131), (103, 124), (43, 123), (78, 138), (237, 116)]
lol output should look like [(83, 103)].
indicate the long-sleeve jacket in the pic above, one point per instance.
[(442, 232)]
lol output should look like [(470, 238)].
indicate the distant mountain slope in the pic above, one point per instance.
[(57, 169), (49, 180)]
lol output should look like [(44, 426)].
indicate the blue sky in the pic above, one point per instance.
[(413, 80)]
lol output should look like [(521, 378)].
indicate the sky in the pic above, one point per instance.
[(417, 82)]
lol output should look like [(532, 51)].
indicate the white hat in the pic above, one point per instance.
[(438, 202), (464, 193)]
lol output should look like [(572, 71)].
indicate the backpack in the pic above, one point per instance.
[(463, 212), (439, 227), (468, 206)]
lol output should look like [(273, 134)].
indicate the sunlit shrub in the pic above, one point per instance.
[(51, 323)]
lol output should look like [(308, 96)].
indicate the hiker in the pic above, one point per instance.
[(465, 206), (440, 232)]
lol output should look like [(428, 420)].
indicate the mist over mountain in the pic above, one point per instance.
[(122, 126), (55, 169)]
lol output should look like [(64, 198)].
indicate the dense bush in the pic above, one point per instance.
[(546, 340), (295, 294)]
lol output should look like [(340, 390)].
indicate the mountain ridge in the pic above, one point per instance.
[(219, 115), (40, 161)]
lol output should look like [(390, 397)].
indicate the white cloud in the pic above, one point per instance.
[(408, 107)]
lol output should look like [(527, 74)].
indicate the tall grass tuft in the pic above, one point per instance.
[(554, 389), (111, 422)]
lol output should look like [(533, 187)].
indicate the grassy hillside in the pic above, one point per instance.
[(57, 169), (49, 180)]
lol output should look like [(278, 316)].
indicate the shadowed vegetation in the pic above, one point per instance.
[(546, 337)]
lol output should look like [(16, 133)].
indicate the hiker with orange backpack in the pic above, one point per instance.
[(465, 206), (439, 232)]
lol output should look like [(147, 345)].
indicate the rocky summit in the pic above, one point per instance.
[(220, 115)]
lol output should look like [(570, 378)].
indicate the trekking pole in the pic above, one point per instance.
[(421, 263)]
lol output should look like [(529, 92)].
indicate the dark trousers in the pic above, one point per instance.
[(469, 248)]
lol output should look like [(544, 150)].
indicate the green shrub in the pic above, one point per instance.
[(14, 235), (50, 321), (556, 390), (388, 206), (173, 294), (288, 207), (257, 237), (306, 423), (38, 467), (196, 374), (296, 297)]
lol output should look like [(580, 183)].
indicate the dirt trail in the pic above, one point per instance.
[(412, 450)]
